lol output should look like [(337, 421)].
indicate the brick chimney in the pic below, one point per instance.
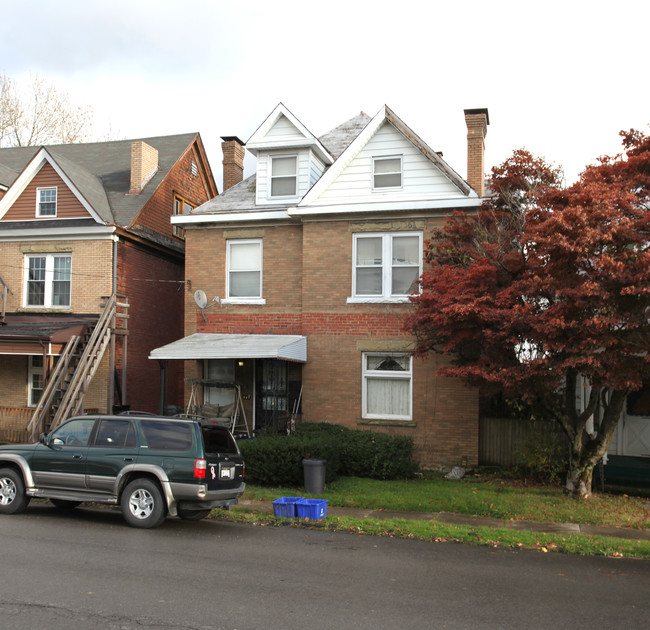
[(233, 161), (144, 164), (477, 121)]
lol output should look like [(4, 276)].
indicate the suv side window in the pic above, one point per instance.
[(73, 433), (115, 434), (167, 436)]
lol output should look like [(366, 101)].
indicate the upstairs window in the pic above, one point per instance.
[(284, 176), (386, 266), (48, 280), (46, 202), (244, 270), (386, 172), (181, 207)]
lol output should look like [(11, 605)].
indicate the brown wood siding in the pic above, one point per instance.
[(67, 206), (158, 211)]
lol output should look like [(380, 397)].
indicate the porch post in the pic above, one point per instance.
[(163, 386)]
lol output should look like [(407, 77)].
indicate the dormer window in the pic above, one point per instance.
[(46, 202), (387, 172), (284, 176)]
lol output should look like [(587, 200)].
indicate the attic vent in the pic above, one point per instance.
[(195, 169)]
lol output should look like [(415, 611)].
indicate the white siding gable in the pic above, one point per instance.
[(284, 128), (422, 179)]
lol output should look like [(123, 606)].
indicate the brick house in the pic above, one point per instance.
[(86, 238), (297, 279)]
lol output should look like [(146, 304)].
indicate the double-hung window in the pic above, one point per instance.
[(244, 270), (46, 202), (386, 172), (284, 176), (387, 386), (48, 280), (387, 266)]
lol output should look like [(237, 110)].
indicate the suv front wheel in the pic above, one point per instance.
[(143, 504), (12, 492)]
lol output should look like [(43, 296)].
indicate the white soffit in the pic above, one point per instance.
[(202, 346)]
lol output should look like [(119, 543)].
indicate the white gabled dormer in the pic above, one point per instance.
[(290, 159)]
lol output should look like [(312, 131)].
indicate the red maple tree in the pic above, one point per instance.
[(546, 293)]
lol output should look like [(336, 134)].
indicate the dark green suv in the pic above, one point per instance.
[(149, 465)]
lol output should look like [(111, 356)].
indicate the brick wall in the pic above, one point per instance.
[(307, 280), (91, 271), (154, 287)]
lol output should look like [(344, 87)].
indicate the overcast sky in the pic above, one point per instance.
[(559, 78)]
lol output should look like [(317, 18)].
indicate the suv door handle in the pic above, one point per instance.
[(128, 459), (77, 456)]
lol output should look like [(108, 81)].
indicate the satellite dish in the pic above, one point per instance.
[(200, 298)]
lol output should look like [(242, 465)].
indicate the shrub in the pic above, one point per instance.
[(274, 460), (541, 456)]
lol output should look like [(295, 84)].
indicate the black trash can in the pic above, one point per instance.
[(314, 470)]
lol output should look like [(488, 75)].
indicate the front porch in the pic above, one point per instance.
[(13, 424)]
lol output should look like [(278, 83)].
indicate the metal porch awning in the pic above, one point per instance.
[(222, 346)]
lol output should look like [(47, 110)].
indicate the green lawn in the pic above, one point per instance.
[(484, 496), (479, 496)]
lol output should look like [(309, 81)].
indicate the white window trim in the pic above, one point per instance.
[(32, 371), (377, 374), (244, 300), (38, 202), (270, 194), (382, 158), (49, 281), (387, 266)]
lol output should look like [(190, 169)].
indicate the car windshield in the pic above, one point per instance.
[(219, 440)]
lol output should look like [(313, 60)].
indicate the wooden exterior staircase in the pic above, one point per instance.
[(68, 382)]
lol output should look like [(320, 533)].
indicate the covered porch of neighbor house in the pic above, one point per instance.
[(30, 346), (255, 381)]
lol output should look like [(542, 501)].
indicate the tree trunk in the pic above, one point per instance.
[(587, 450), (579, 479)]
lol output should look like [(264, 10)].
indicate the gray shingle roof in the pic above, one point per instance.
[(241, 196), (101, 171)]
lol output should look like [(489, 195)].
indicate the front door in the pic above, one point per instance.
[(271, 397), (62, 462)]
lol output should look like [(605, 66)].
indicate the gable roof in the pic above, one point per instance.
[(241, 196), (98, 172), (385, 114), (280, 130)]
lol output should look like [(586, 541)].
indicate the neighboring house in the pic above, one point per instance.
[(302, 274), (86, 246), (628, 457)]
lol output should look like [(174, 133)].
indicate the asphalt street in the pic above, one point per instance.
[(87, 569)]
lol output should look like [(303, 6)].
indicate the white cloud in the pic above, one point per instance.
[(559, 78)]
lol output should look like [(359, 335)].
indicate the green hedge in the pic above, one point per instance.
[(276, 460)]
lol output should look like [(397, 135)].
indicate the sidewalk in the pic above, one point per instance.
[(477, 521)]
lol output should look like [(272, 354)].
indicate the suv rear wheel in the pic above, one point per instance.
[(143, 504), (12, 492), (192, 515)]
